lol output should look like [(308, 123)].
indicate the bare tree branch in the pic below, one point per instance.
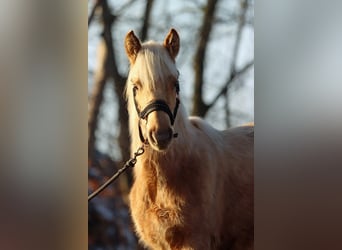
[(232, 78), (227, 111), (241, 23), (92, 13), (236, 49), (125, 6)]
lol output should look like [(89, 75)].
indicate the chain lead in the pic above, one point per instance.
[(130, 163)]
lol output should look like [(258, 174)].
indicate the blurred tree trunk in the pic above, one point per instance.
[(199, 108), (96, 96), (96, 99), (146, 21)]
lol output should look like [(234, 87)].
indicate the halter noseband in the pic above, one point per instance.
[(157, 105)]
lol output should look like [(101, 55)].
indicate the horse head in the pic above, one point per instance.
[(152, 87)]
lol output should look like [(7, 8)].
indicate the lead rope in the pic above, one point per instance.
[(130, 163)]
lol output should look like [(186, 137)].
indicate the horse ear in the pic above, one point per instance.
[(132, 46), (171, 43)]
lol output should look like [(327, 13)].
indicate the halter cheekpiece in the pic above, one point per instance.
[(157, 105)]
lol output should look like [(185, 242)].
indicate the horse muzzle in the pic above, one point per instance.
[(160, 135), (160, 139)]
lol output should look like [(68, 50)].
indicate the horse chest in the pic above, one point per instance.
[(157, 204), (157, 213)]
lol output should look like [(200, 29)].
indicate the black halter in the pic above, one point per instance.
[(157, 105)]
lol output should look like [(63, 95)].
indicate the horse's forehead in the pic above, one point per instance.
[(153, 63), (154, 58)]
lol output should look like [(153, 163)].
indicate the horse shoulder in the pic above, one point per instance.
[(240, 140)]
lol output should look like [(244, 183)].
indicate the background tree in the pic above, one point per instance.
[(214, 61)]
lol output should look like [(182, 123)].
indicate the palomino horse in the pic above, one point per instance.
[(190, 192)]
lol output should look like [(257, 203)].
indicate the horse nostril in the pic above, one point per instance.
[(153, 137), (161, 137)]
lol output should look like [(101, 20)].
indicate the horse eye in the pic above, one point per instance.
[(136, 85), (135, 88)]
